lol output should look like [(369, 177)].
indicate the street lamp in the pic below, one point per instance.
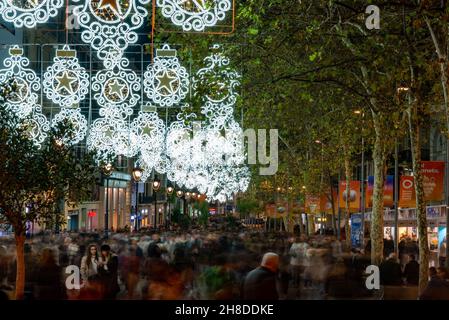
[(107, 171), (180, 194), (137, 176), (186, 208), (156, 186), (169, 193)]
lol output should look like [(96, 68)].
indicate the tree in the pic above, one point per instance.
[(34, 179)]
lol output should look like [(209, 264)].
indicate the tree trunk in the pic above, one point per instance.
[(419, 190), (377, 215), (20, 266), (348, 196)]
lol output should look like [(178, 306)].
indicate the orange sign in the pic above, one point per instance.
[(326, 202), (312, 204), (354, 195), (433, 176), (407, 197)]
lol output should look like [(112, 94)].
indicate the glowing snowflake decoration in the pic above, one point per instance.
[(24, 81), (117, 87), (28, 13), (65, 82), (110, 24), (217, 83), (194, 15), (77, 121), (166, 82)]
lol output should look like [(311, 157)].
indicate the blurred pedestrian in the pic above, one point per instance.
[(260, 284)]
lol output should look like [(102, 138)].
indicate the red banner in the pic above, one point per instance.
[(433, 180), (433, 183)]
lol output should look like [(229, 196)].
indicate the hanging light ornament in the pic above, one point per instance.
[(28, 13), (36, 125), (148, 131), (77, 121), (110, 24), (117, 87), (194, 15), (166, 82), (217, 84), (66, 83), (24, 81), (117, 92)]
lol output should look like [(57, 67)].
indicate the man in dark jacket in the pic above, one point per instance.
[(411, 271), (390, 271), (260, 284), (437, 288)]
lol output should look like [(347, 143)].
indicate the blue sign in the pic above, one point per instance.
[(356, 230)]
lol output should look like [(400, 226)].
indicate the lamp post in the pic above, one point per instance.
[(186, 196), (137, 176), (180, 194), (107, 171), (156, 186), (169, 193)]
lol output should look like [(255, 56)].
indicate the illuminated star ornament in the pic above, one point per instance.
[(117, 91), (110, 24), (25, 83), (29, 13), (166, 82), (194, 15), (117, 88), (65, 82), (113, 5)]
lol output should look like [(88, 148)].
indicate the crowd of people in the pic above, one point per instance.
[(200, 264)]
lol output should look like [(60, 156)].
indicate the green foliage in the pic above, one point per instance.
[(33, 180), (203, 209), (246, 207)]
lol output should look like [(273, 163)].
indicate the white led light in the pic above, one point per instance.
[(194, 15), (28, 13), (166, 82), (110, 24), (78, 123), (24, 81), (65, 82)]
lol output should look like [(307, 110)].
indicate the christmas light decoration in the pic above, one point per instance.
[(194, 15), (28, 13), (166, 82), (36, 125), (110, 24), (218, 83), (24, 81), (77, 121), (117, 87), (65, 82)]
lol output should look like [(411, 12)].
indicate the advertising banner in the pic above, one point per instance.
[(354, 195), (356, 230), (326, 202), (433, 180), (388, 192), (312, 204), (407, 197)]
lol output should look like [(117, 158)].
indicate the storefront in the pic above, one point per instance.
[(408, 228)]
